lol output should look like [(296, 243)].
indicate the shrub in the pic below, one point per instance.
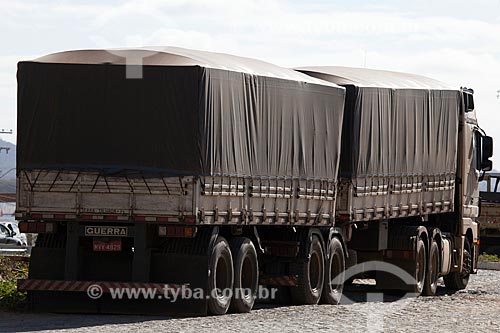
[(488, 257), (10, 271)]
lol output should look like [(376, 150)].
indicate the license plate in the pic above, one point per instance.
[(107, 246)]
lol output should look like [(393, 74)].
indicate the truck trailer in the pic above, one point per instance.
[(215, 172)]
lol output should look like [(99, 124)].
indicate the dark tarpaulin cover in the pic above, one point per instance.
[(395, 124), (192, 113)]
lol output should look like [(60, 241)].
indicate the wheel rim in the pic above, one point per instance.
[(315, 271)]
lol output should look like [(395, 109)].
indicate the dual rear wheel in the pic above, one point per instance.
[(319, 279), (454, 280), (234, 276), (427, 267)]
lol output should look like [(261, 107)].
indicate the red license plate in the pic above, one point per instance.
[(107, 246)]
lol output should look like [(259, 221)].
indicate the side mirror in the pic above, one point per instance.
[(486, 153)]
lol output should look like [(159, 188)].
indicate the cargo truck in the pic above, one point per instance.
[(216, 172)]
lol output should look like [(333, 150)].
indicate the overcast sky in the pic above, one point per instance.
[(453, 41)]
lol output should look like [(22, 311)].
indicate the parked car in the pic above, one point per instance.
[(9, 234)]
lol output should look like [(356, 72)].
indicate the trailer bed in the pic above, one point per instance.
[(68, 195)]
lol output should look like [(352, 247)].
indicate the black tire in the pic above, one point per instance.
[(310, 275), (420, 267), (351, 261), (220, 283), (459, 280), (246, 275), (432, 271), (334, 273)]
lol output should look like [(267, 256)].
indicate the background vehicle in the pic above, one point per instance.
[(9, 234), (221, 172), (490, 215)]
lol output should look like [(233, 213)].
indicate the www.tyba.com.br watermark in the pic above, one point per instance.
[(175, 293)]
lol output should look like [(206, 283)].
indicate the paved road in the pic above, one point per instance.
[(475, 309)]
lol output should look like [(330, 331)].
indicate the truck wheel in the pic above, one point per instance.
[(310, 275), (334, 269), (351, 261), (432, 272), (420, 267), (220, 283), (246, 274), (459, 280)]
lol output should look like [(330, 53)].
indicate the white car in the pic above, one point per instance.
[(9, 234)]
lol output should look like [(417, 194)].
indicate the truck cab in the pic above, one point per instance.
[(475, 151)]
